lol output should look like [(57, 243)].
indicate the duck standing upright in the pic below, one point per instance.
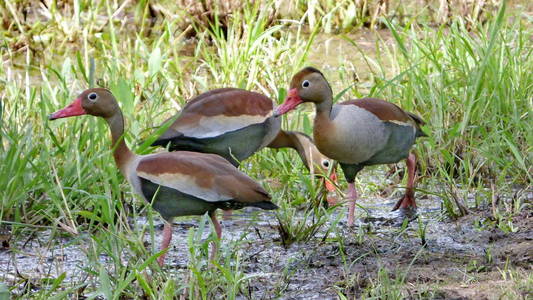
[(357, 133), (235, 124), (177, 183)]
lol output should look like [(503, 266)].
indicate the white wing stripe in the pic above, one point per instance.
[(185, 184), (218, 125)]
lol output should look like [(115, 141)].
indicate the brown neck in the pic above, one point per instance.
[(294, 140), (282, 140), (323, 126), (324, 107), (121, 152)]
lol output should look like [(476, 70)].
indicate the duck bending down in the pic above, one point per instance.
[(235, 124), (357, 133), (177, 183)]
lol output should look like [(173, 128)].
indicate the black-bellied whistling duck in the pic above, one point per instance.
[(236, 123), (177, 183), (357, 133)]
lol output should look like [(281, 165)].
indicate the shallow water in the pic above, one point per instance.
[(314, 266)]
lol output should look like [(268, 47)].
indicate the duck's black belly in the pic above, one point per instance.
[(401, 139), (234, 146), (172, 203)]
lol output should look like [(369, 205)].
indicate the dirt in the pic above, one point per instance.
[(459, 261)]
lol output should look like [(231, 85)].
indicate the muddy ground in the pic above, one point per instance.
[(460, 260)]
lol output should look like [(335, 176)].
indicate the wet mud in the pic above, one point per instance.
[(458, 259)]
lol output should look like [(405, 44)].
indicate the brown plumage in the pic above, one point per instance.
[(229, 102), (178, 183), (357, 133), (235, 124)]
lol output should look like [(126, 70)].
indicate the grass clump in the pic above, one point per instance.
[(469, 79)]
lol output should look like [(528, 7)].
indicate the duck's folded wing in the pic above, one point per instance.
[(205, 176), (384, 110), (220, 111), (389, 112)]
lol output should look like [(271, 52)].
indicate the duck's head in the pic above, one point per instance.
[(308, 85), (98, 102)]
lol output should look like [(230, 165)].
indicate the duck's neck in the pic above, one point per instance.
[(324, 108), (121, 152), (303, 145), (323, 128), (294, 140)]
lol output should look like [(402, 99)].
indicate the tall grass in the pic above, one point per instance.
[(474, 90), (334, 16), (470, 80)]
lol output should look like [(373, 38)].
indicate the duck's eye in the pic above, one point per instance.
[(325, 164), (306, 83), (93, 96)]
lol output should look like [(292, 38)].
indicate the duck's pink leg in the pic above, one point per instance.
[(167, 237), (226, 215), (218, 230), (408, 200), (352, 196)]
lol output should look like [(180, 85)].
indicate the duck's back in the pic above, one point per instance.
[(233, 123)]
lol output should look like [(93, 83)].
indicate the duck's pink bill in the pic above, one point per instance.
[(292, 100), (74, 109)]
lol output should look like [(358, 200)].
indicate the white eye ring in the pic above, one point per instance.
[(92, 97), (325, 163), (306, 83)]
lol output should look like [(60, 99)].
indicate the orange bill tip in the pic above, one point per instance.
[(330, 184)]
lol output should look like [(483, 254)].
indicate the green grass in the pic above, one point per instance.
[(468, 78)]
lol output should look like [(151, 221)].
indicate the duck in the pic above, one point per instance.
[(236, 123), (357, 133), (181, 183)]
